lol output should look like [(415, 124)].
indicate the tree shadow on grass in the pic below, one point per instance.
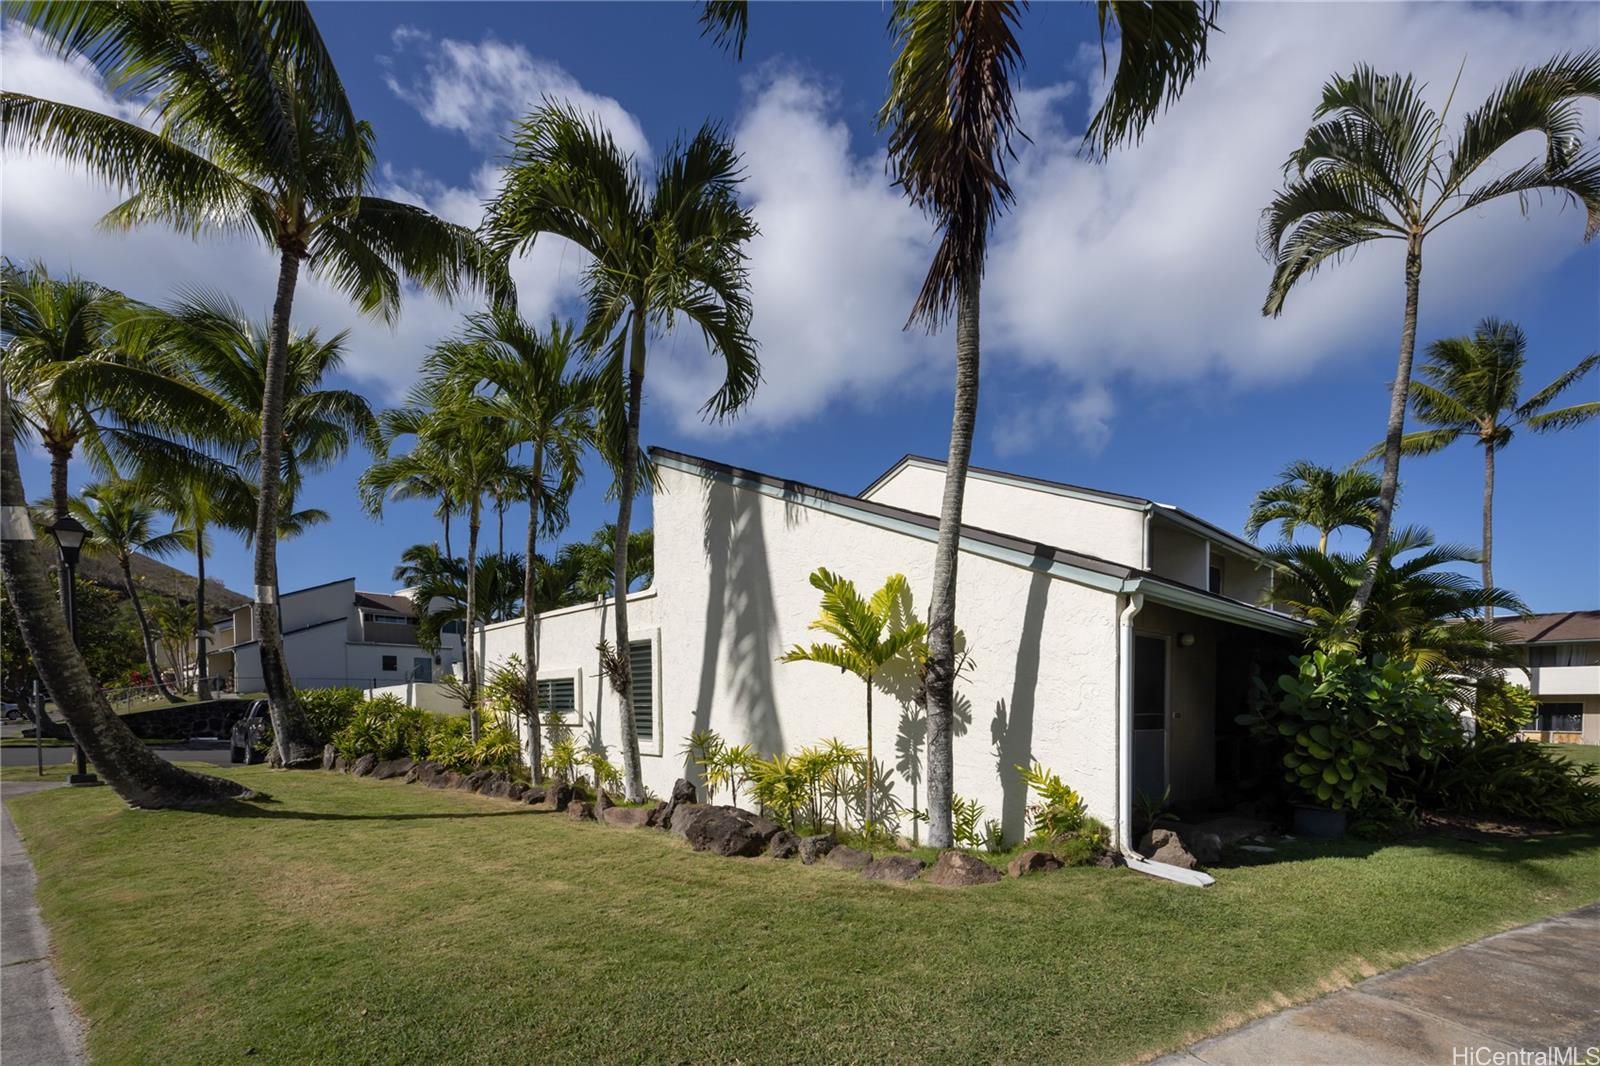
[(271, 809), (1516, 850)]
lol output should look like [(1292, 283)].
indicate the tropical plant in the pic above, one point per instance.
[(139, 775), (964, 817), (1502, 709), (951, 116), (729, 766), (866, 640), (561, 759), (1059, 810), (251, 132), (700, 749), (602, 772), (548, 416), (1473, 389), (330, 709), (1378, 165), (669, 248), (1492, 777), (1344, 722), (439, 589), (174, 623), (1317, 497), (120, 516), (1420, 611), (108, 640)]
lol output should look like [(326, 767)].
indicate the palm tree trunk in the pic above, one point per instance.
[(1399, 395), (1488, 526), (471, 659), (1322, 541), (60, 456), (137, 774), (145, 634), (942, 607), (867, 805), (447, 552), (627, 478), (202, 672), (292, 734), (530, 623)]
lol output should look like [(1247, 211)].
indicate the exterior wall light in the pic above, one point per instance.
[(1186, 640)]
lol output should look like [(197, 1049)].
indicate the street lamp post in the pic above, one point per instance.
[(69, 536)]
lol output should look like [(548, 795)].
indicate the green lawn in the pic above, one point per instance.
[(363, 921), (1583, 753)]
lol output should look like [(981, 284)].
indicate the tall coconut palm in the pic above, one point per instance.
[(1419, 611), (1318, 497), (253, 134), (137, 774), (121, 517), (1473, 390), (669, 249), (870, 633), (1379, 165), (46, 324), (548, 411), (951, 117)]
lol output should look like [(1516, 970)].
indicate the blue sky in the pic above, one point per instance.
[(1124, 347)]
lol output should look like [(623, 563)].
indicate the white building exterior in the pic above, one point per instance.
[(1085, 613), (334, 636), (1562, 670)]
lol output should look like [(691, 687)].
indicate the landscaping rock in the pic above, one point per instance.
[(816, 848), (1109, 860), (683, 794), (848, 858), (533, 796), (1033, 862), (365, 765), (580, 810), (515, 791), (388, 768), (1164, 845), (626, 817), (328, 756), (603, 801), (1206, 847), (475, 781), (724, 830), (411, 776), (785, 845), (556, 798), (957, 869), (496, 788), (892, 868), (445, 779), (341, 764), (658, 813), (426, 772)]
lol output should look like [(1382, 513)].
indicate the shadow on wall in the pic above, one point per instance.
[(1011, 730), (739, 608), (902, 681)]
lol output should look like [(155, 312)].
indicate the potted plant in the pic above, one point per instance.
[(1342, 723)]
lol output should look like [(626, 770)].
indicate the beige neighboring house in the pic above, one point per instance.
[(1113, 638), (1563, 673)]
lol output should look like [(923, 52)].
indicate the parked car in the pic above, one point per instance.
[(12, 711), (248, 734)]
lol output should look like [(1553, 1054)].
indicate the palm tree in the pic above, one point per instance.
[(868, 638), (120, 516), (253, 134), (175, 623), (137, 774), (1376, 166), (1319, 497), (670, 248), (1419, 611), (548, 413), (48, 323), (1473, 389)]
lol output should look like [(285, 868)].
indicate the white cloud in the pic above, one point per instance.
[(481, 89), (1082, 415)]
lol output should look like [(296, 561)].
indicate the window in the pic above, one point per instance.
[(391, 662), (1564, 655), (640, 667), (559, 694), (1214, 575), (390, 619), (1558, 718)]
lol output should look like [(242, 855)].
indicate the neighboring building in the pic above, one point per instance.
[(1113, 639), (1562, 672), (334, 635)]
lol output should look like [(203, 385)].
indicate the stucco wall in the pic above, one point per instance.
[(335, 600), (732, 593), (1177, 554), (1101, 529)]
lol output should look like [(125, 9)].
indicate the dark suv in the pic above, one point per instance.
[(248, 733)]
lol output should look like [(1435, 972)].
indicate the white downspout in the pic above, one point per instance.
[(1125, 842), (1149, 514)]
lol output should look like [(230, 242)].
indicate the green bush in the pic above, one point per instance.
[(1085, 845), (1060, 811), (329, 709), (1507, 778), (964, 817), (1344, 723), (1503, 709)]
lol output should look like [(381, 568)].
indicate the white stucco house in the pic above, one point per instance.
[(1112, 637), (333, 636), (1562, 671)]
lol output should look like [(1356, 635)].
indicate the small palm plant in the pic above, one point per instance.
[(867, 641), (1320, 497)]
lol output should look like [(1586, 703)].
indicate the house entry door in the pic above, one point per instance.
[(1149, 716), (422, 668)]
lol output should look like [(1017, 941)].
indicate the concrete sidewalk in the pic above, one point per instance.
[(1534, 988), (37, 1023)]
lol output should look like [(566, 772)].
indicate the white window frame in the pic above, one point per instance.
[(656, 745)]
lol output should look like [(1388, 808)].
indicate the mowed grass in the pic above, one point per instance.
[(1577, 753), (363, 921)]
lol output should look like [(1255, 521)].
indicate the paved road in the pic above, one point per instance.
[(1534, 988), (215, 752), (37, 1022)]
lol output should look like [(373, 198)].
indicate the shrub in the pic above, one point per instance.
[(781, 786), (1507, 778), (1085, 845), (329, 709), (601, 771), (561, 759), (964, 815), (994, 837), (1344, 723), (498, 749), (729, 768), (1060, 810), (1503, 709)]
